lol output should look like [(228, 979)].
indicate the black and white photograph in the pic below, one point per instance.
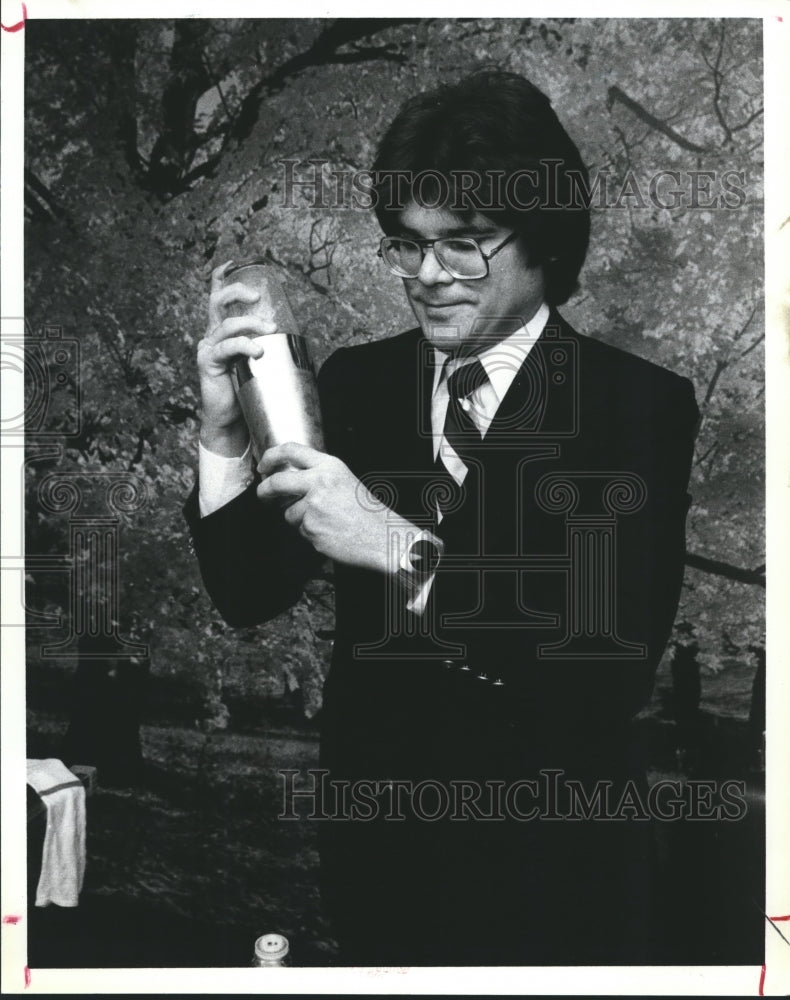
[(386, 447)]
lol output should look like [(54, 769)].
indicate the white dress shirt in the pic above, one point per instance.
[(501, 362)]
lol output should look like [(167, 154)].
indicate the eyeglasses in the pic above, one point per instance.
[(460, 256)]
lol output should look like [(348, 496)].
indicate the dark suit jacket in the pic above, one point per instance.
[(561, 577)]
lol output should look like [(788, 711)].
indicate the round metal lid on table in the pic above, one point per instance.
[(271, 948)]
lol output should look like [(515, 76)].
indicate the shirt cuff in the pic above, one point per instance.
[(222, 479), (415, 584), (418, 601)]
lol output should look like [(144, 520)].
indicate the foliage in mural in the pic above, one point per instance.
[(155, 150)]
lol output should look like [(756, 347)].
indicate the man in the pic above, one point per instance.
[(504, 501)]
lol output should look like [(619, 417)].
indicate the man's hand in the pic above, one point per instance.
[(222, 428), (331, 508)]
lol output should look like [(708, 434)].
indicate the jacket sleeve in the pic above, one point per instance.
[(649, 561), (254, 565)]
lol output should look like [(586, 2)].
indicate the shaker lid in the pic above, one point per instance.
[(271, 947)]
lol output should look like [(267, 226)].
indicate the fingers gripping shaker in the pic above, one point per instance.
[(277, 392)]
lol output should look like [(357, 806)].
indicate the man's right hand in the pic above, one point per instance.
[(222, 428)]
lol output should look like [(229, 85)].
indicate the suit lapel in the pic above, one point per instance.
[(525, 402), (541, 399), (526, 436)]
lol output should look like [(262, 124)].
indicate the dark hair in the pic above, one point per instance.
[(491, 144)]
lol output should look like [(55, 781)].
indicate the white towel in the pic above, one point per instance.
[(63, 858)]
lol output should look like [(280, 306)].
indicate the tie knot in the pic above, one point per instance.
[(466, 379)]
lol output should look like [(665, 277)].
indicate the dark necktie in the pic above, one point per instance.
[(459, 428), (461, 432)]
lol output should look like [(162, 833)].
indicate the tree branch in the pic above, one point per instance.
[(717, 72), (616, 94), (718, 568), (175, 146), (718, 77), (723, 364), (752, 346), (142, 436), (322, 52), (749, 120), (213, 75), (712, 448), (40, 201), (122, 45)]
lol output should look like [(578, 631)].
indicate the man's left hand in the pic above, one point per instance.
[(331, 508)]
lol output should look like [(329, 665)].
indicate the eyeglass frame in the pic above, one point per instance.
[(425, 245)]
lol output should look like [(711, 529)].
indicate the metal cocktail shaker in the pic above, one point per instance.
[(277, 392)]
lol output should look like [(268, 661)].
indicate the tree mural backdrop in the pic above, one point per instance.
[(155, 150)]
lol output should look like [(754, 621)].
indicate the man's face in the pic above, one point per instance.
[(459, 315)]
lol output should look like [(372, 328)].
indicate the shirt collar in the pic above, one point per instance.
[(503, 359)]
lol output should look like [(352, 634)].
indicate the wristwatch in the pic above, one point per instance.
[(421, 559)]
